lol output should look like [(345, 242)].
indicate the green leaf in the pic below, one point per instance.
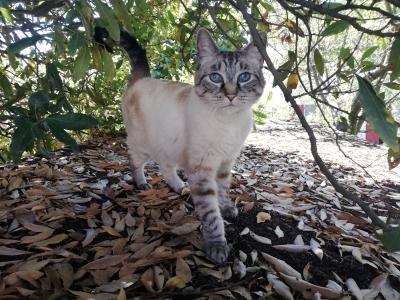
[(394, 59), (267, 6), (108, 66), (53, 77), (111, 22), (335, 28), (39, 102), (391, 239), (377, 114), (331, 5), (77, 41), (285, 68), (5, 85), (122, 13), (6, 15), (74, 121), (61, 134), (319, 62), (368, 52), (81, 64), (392, 85), (22, 139), (24, 43)]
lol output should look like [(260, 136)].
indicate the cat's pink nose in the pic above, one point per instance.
[(230, 97)]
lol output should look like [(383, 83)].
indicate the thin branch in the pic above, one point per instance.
[(313, 142), (332, 13)]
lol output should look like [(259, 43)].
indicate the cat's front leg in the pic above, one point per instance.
[(204, 193), (227, 206)]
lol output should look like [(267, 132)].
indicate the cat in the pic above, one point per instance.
[(199, 127)]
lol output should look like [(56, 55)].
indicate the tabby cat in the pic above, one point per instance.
[(199, 128)]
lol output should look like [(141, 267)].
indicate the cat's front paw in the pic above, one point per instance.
[(144, 186), (217, 251), (229, 211)]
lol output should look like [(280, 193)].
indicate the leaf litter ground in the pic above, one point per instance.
[(72, 227)]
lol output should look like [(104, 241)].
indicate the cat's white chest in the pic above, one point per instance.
[(218, 136)]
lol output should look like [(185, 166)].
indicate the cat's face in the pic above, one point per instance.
[(228, 80)]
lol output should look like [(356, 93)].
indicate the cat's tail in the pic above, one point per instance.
[(137, 54)]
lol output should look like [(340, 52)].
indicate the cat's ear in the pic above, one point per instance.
[(206, 45), (252, 51)]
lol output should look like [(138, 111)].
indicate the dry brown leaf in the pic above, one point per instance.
[(111, 231), (115, 285), (90, 236), (147, 279), (175, 282), (6, 251), (66, 272), (281, 266), (301, 285), (121, 295), (185, 228), (183, 270), (263, 216), (38, 237), (51, 241), (105, 262), (152, 259)]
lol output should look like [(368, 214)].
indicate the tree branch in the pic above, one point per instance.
[(313, 142)]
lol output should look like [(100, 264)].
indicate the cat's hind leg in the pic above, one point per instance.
[(137, 163), (227, 206), (172, 178)]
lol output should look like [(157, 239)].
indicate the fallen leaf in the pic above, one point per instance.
[(183, 270), (263, 216), (105, 262)]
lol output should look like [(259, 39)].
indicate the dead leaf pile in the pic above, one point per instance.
[(74, 227)]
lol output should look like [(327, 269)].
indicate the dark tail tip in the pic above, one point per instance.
[(136, 53)]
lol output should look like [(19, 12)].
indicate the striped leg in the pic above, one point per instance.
[(137, 168), (227, 206), (172, 178), (204, 192)]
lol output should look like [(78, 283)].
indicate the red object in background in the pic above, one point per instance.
[(371, 136)]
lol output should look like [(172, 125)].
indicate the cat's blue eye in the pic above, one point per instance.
[(215, 77), (244, 77)]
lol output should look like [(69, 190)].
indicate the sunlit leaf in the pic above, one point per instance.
[(368, 52), (293, 81), (285, 68), (392, 85), (122, 13), (6, 15), (377, 114)]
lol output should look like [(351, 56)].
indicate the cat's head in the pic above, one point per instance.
[(228, 80)]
